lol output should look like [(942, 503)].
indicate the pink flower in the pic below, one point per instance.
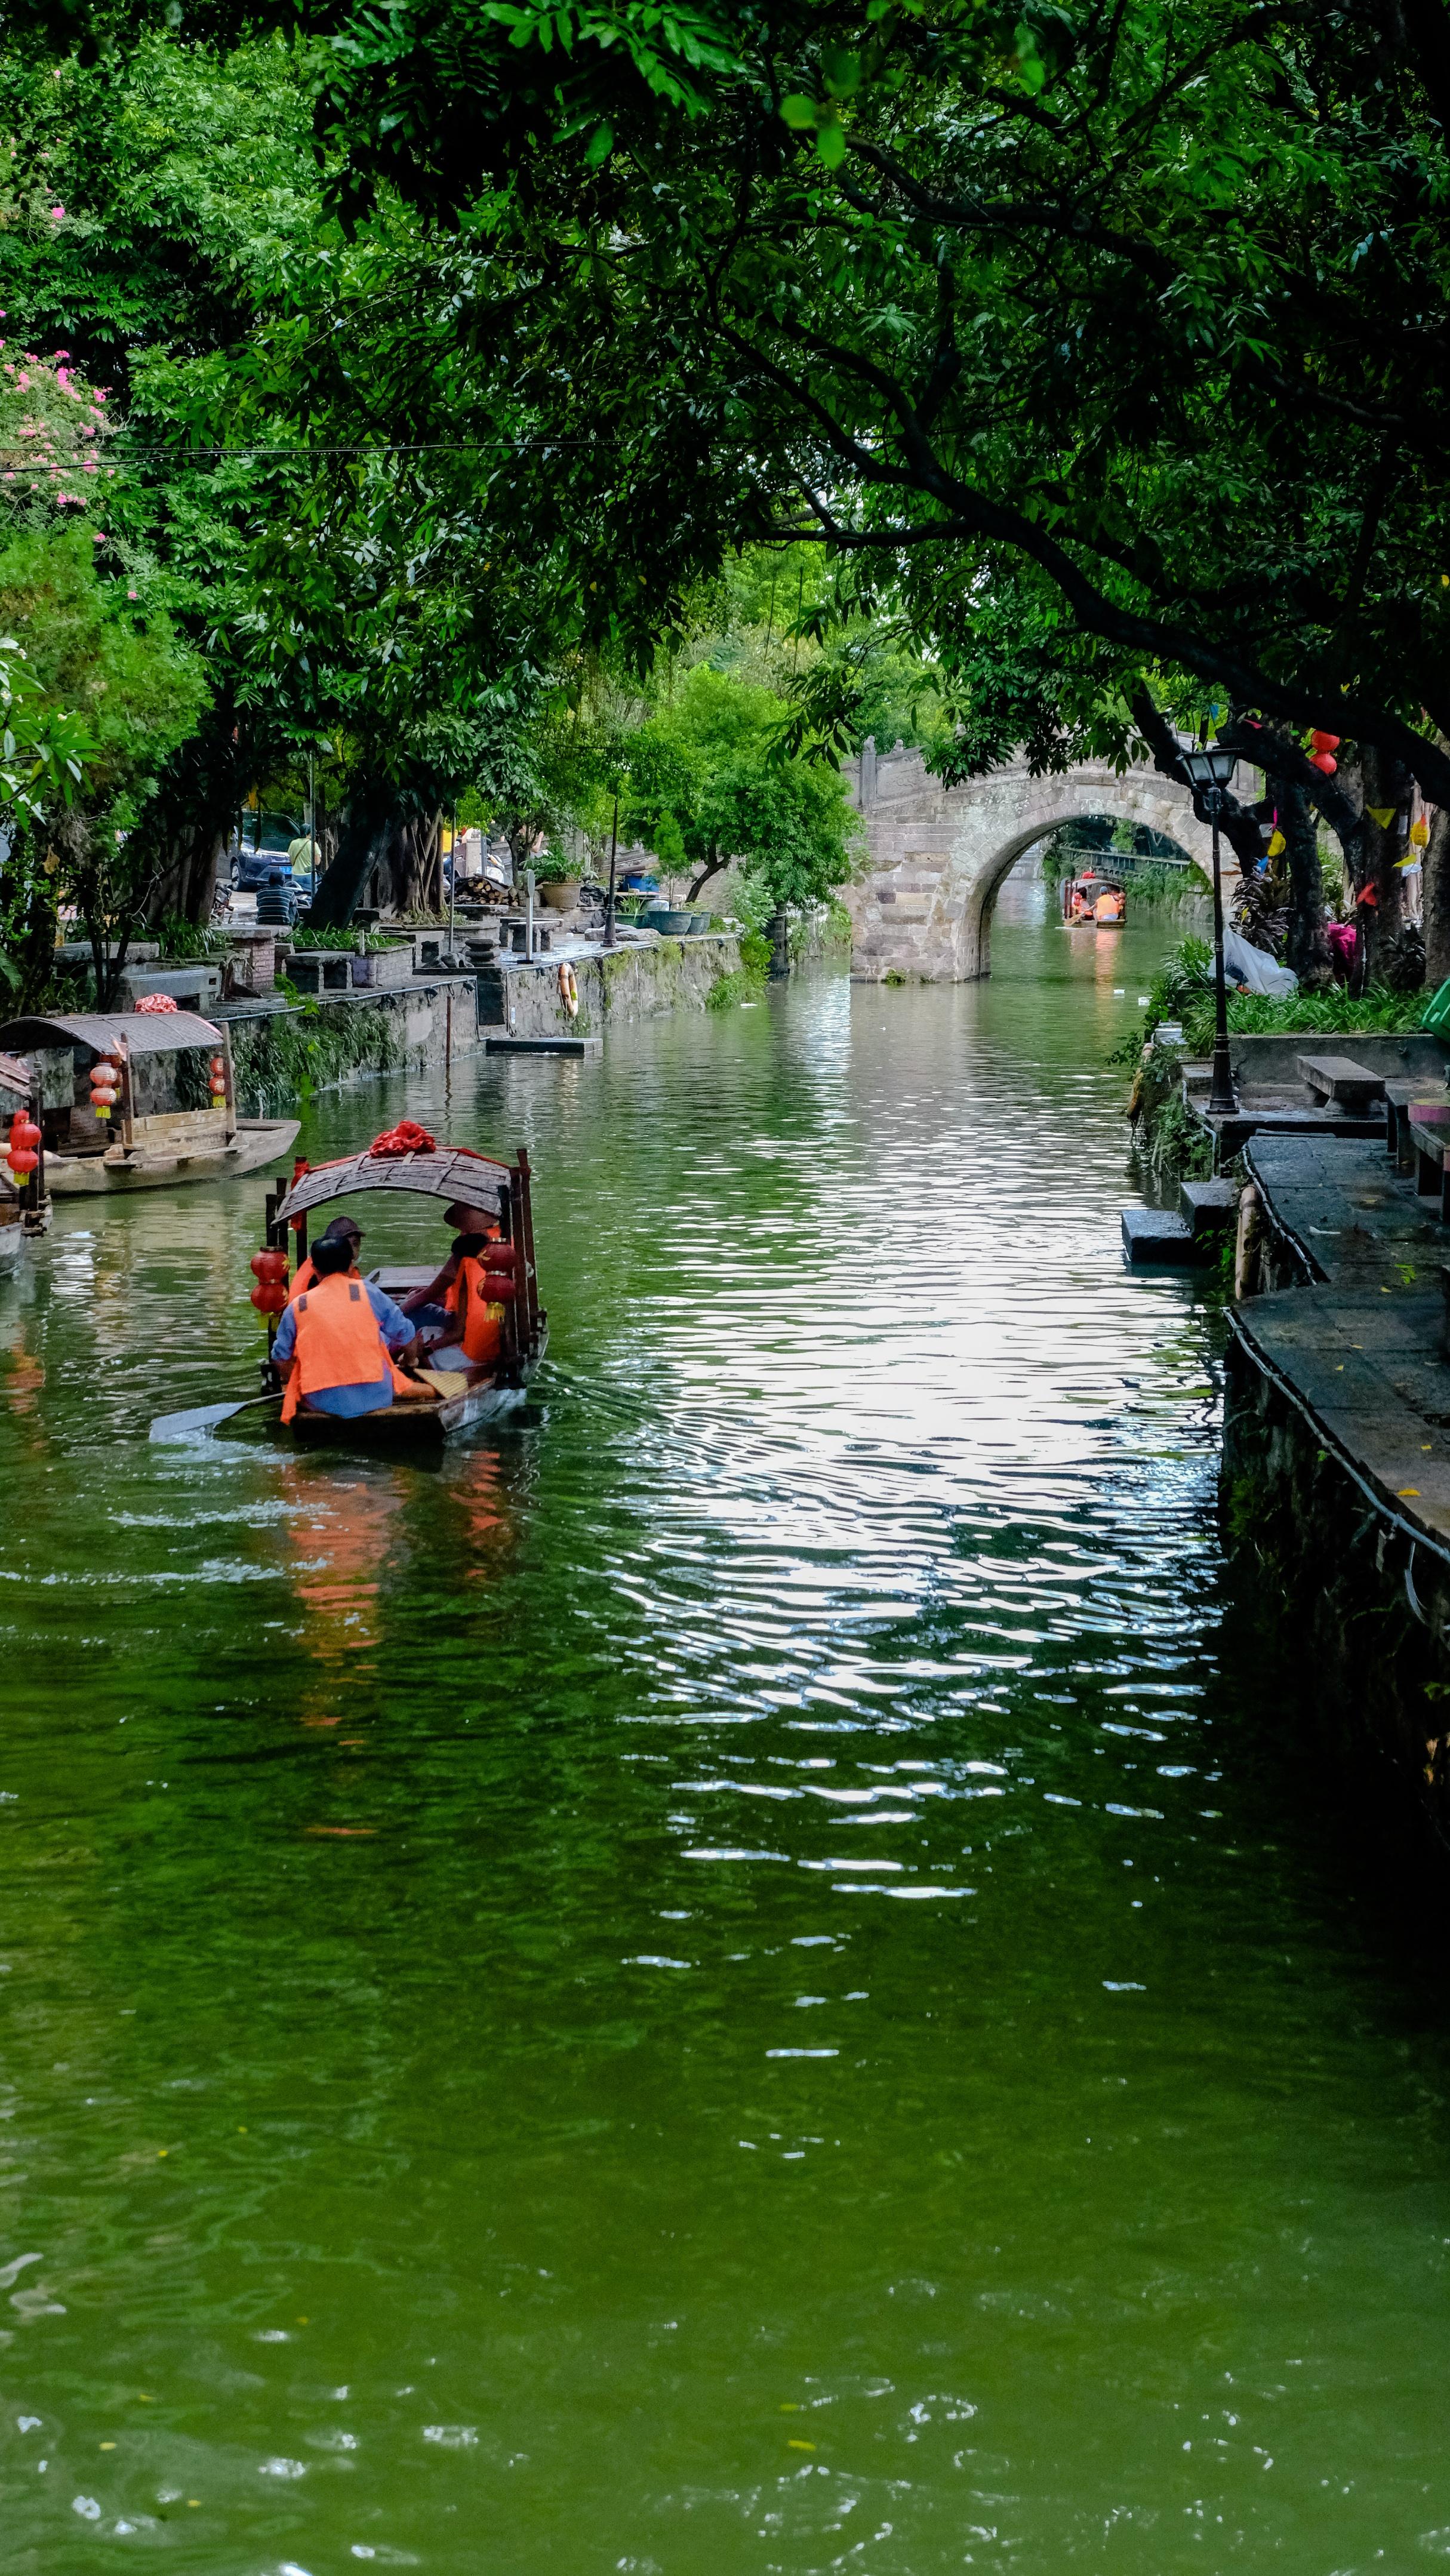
[(131, 594), (90, 466), (24, 377), (57, 214), (61, 353), (97, 537)]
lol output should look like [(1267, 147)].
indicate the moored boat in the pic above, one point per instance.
[(107, 1088)]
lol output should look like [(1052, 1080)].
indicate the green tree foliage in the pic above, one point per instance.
[(709, 781), (129, 692), (1144, 308), (335, 575)]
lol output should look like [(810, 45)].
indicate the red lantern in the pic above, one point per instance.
[(105, 1082), (1325, 741), (271, 1298), (20, 1151), (1325, 763), (269, 1266), (218, 1068)]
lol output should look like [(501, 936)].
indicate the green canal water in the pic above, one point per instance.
[(746, 1977)]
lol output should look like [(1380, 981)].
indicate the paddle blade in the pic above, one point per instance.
[(201, 1419)]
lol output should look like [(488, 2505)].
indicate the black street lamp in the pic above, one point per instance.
[(1209, 768)]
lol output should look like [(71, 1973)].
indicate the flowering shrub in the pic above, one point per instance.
[(53, 429)]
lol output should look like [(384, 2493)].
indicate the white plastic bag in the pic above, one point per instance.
[(1243, 964)]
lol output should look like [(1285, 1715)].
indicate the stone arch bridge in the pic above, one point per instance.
[(937, 856)]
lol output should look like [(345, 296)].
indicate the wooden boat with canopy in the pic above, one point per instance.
[(444, 1401), (1094, 902), (19, 1198), (110, 1092)]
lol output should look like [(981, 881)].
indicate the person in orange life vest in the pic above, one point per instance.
[(336, 1341), (433, 1308), (343, 1229), (474, 1333)]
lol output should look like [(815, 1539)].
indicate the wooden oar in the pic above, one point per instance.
[(203, 1417)]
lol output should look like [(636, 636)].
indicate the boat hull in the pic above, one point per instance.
[(411, 1430), (257, 1144)]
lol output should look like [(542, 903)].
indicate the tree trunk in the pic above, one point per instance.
[(1308, 944), (184, 831), (407, 873), (1437, 899), (1387, 788), (363, 841)]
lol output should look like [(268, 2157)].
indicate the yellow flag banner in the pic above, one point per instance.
[(1384, 815)]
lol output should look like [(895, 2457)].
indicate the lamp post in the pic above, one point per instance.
[(1209, 768), (609, 940)]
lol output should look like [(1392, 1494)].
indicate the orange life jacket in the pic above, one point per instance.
[(480, 1317), (339, 1343), (307, 1278)]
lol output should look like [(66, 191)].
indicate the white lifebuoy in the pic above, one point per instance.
[(569, 989)]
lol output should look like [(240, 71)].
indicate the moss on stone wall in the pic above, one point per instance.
[(1169, 1143), (281, 1061)]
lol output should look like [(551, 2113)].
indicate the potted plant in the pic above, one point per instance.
[(557, 881)]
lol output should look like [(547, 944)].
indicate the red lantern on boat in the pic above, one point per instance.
[(271, 1297), (1325, 762), (20, 1152), (1325, 741), (218, 1077), (105, 1085), (269, 1268)]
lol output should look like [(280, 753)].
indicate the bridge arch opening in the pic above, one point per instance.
[(1122, 850), (1147, 843)]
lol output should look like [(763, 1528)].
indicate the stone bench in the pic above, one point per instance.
[(1429, 1136), (1406, 1101), (1336, 1080)]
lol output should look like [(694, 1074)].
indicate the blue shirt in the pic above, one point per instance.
[(373, 1394)]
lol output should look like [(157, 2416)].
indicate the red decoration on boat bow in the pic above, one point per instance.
[(406, 1138)]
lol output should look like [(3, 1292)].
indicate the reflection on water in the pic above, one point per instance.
[(732, 1978)]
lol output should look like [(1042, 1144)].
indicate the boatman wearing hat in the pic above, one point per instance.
[(338, 1340), (343, 1229), (435, 1307)]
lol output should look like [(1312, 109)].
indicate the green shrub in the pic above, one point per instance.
[(177, 938), (1377, 1011)]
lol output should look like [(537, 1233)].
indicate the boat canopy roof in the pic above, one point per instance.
[(452, 1172), (143, 1032), (14, 1076)]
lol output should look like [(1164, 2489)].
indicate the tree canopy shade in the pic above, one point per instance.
[(1140, 301)]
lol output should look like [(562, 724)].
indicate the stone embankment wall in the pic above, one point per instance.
[(935, 856), (524, 999), (283, 1056), (1338, 1592)]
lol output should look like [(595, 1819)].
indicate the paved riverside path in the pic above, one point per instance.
[(1360, 1346)]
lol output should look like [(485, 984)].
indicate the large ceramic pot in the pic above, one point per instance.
[(560, 894), (670, 925)]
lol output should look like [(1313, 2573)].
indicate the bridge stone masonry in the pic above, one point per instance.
[(936, 856)]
